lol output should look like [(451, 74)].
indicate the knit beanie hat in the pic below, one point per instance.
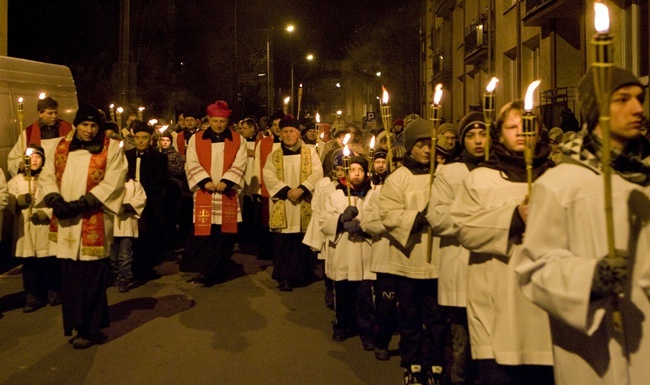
[(337, 158), (88, 113), (36, 149), (167, 134), (399, 152), (473, 119), (416, 130), (446, 127), (360, 160), (587, 92), (380, 154)]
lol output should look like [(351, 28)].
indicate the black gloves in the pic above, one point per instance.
[(128, 209), (39, 218), (610, 275), (23, 201), (58, 204), (420, 222), (65, 210), (353, 227), (349, 214)]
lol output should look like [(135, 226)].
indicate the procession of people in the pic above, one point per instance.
[(489, 264)]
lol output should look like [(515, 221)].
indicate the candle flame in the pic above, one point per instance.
[(384, 97), (437, 94), (163, 128), (20, 99), (29, 152), (300, 85), (286, 100), (112, 106), (317, 117), (41, 95), (346, 151), (121, 143), (492, 85), (372, 143), (153, 121), (346, 139), (120, 109), (322, 135), (339, 113), (602, 17), (528, 102), (140, 109)]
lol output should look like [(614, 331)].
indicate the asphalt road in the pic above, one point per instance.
[(168, 331)]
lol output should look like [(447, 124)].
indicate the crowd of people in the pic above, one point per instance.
[(483, 279)]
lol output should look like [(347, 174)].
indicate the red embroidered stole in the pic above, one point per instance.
[(203, 202), (92, 225), (33, 132)]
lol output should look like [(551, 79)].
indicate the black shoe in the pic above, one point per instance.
[(329, 300), (123, 285), (53, 298), (413, 376), (32, 304), (435, 377), (382, 354), (196, 279), (368, 343), (343, 334), (285, 285)]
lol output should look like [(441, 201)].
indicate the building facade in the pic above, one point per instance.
[(467, 42)]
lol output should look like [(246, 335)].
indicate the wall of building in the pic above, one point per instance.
[(4, 11)]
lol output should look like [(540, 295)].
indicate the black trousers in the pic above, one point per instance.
[(422, 323), (491, 373), (355, 310), (386, 307), (40, 275), (292, 259), (208, 255)]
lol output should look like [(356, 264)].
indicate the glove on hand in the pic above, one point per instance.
[(420, 223), (83, 204), (128, 209), (39, 218), (610, 275), (23, 201), (59, 205), (353, 227), (349, 214)]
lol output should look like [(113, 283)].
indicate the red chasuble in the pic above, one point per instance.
[(33, 132)]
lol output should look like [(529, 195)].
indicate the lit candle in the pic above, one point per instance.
[(112, 111), (285, 104), (386, 118), (119, 117), (372, 148), (140, 113), (21, 120), (436, 109), (488, 112), (299, 100)]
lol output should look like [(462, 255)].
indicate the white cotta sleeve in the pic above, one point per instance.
[(440, 200), (393, 213), (549, 274), (110, 191), (371, 222)]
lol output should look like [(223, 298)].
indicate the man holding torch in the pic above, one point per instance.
[(566, 268)]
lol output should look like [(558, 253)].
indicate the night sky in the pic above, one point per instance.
[(187, 47)]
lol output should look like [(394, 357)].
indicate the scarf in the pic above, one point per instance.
[(278, 216), (203, 208), (468, 159), (632, 164), (92, 224), (513, 166), (414, 166), (356, 191)]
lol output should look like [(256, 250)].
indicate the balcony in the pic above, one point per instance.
[(443, 7), (475, 41), (541, 12), (442, 68)]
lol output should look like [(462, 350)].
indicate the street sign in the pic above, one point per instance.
[(370, 116)]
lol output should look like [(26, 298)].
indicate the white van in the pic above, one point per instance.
[(28, 79)]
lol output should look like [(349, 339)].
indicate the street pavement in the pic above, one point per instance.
[(169, 331)]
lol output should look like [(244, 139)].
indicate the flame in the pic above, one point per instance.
[(20, 99), (317, 117), (346, 139), (29, 152), (140, 109), (163, 128), (153, 121), (346, 151), (300, 85), (339, 113), (602, 17), (41, 95), (372, 143), (112, 106), (286, 100), (384, 97), (121, 143), (120, 109), (322, 135), (437, 94), (528, 102), (492, 85)]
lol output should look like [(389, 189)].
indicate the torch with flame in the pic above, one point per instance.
[(299, 100), (602, 74), (28, 177), (346, 166), (140, 113), (387, 121), (319, 128), (118, 114), (111, 108), (371, 153), (530, 133), (21, 120), (488, 113), (436, 109), (285, 104)]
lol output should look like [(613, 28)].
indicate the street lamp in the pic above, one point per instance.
[(309, 57), (269, 87)]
